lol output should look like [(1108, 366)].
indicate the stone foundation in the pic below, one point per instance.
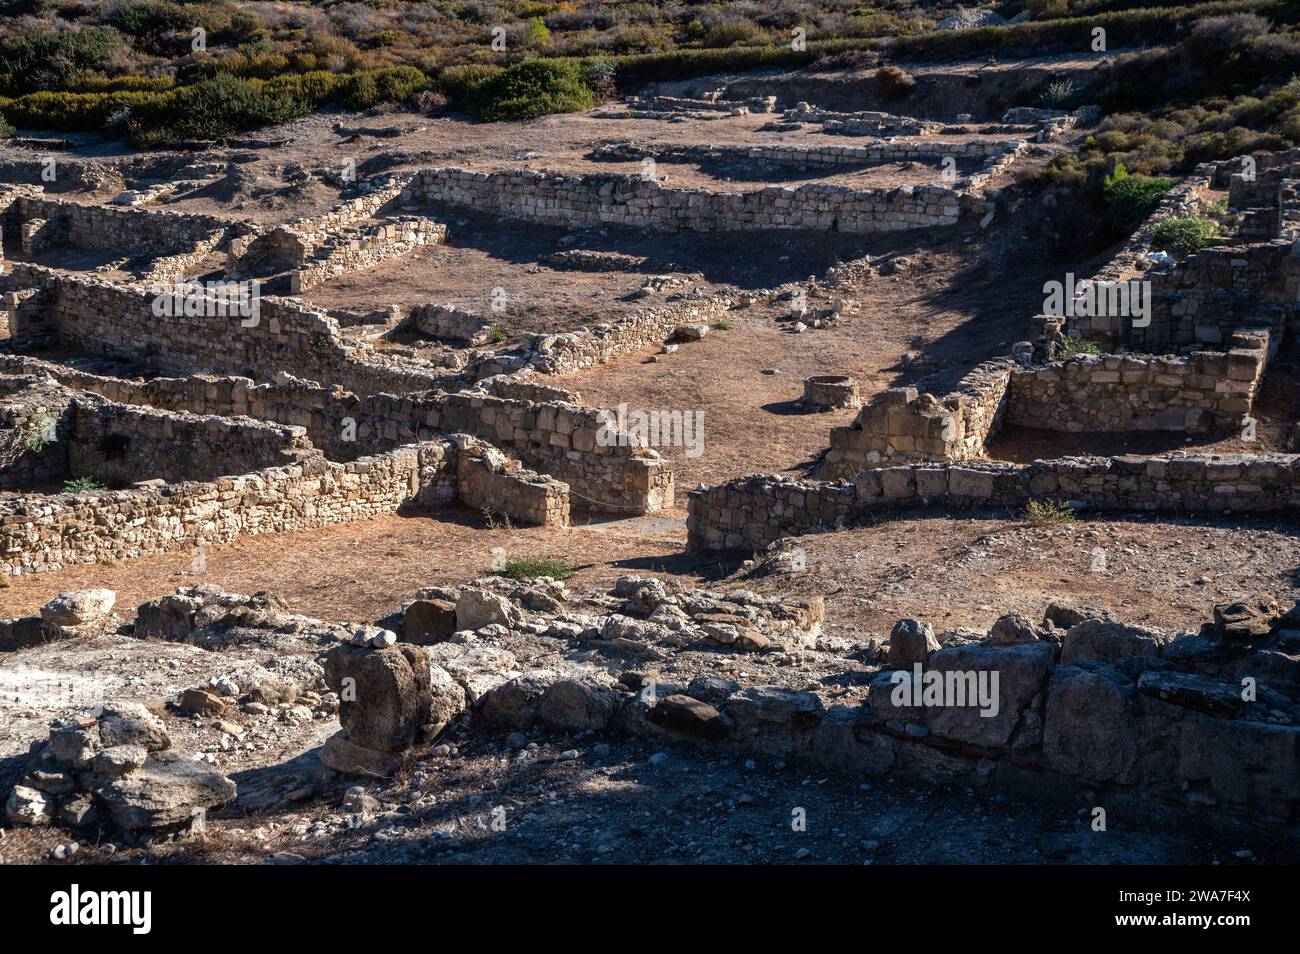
[(751, 512)]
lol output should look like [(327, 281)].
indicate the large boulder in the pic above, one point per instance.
[(1088, 726), (384, 694), (478, 608), (79, 607), (1021, 680), (579, 704), (168, 790), (428, 621), (910, 641), (351, 759), (129, 723), (690, 717), (1111, 644)]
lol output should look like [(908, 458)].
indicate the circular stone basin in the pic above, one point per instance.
[(831, 390)]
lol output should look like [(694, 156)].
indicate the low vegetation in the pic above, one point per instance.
[(1049, 513), (531, 568), (1184, 234)]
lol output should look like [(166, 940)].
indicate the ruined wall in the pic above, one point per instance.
[(597, 200), (1194, 393), (877, 153), (35, 426), (1203, 391), (753, 511), (556, 437), (118, 319), (124, 230), (119, 444), (356, 249), (909, 424)]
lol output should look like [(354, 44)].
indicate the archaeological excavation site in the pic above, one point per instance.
[(694, 435)]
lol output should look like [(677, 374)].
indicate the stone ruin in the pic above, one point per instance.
[(1082, 704)]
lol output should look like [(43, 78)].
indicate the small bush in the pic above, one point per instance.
[(81, 485), (1049, 513), (1068, 347), (458, 81), (1184, 234), (731, 32), (530, 568), (6, 130), (1131, 198), (530, 89), (536, 34), (894, 83), (724, 324)]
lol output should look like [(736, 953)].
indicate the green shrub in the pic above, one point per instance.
[(536, 34), (216, 107), (80, 485), (1068, 347), (1184, 234), (457, 81), (1132, 198), (56, 59), (151, 17), (70, 112), (530, 568), (529, 89), (731, 32), (6, 130), (1049, 513)]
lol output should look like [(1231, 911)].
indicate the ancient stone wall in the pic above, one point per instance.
[(35, 427), (599, 200), (1203, 391), (911, 424), (751, 512), (119, 319), (876, 153), (120, 444), (124, 230), (1194, 393), (357, 248), (51, 532), (557, 437)]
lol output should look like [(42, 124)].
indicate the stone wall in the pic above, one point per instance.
[(910, 424), (601, 200), (558, 438), (751, 512), (50, 532), (182, 237), (121, 444), (35, 427), (358, 248), (118, 319), (1200, 392), (875, 154), (1203, 391)]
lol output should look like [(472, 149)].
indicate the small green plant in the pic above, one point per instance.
[(497, 335), (1049, 513), (1067, 347), (723, 324), (80, 485), (40, 433), (530, 568), (1131, 198), (1184, 234)]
